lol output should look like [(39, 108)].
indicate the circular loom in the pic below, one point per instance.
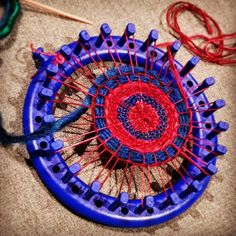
[(139, 141)]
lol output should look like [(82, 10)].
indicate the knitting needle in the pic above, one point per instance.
[(34, 4)]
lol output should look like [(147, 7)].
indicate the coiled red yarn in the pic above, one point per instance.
[(221, 53)]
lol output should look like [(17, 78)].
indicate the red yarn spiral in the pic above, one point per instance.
[(222, 54)]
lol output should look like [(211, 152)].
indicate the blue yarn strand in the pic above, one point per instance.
[(47, 129)]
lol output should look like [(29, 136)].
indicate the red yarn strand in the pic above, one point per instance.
[(221, 54)]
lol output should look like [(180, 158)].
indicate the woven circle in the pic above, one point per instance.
[(138, 118), (142, 117)]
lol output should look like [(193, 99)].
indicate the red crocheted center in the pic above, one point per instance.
[(143, 117), (147, 117)]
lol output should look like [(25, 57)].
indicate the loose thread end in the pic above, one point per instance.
[(7, 139)]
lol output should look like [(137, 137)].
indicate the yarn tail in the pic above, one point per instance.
[(8, 139)]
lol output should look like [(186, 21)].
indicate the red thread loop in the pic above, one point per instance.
[(214, 48), (33, 49)]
